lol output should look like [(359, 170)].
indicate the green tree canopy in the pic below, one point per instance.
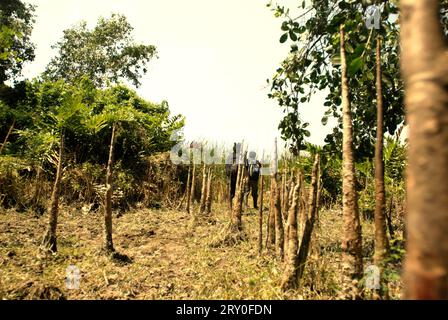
[(106, 54), (313, 65), (16, 23), (84, 111)]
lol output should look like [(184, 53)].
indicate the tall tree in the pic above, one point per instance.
[(106, 54), (351, 237), (425, 70), (117, 108), (66, 115), (381, 241), (16, 24)]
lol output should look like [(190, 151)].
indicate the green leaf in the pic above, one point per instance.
[(283, 38), (336, 59), (292, 35), (355, 65)]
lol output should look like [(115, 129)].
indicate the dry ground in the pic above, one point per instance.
[(168, 259)]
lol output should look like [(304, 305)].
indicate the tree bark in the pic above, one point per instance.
[(277, 210), (208, 198), (319, 191), (193, 187), (188, 191), (50, 240), (238, 201), (270, 232), (351, 239), (108, 243), (279, 230), (390, 225), (309, 222), (381, 241), (291, 272), (203, 190), (425, 70), (11, 128)]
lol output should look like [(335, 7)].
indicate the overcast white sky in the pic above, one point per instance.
[(215, 57)]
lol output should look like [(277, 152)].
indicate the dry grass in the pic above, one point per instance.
[(168, 259)]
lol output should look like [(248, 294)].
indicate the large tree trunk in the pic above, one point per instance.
[(49, 242), (11, 128), (108, 243), (381, 241), (351, 238), (425, 70), (291, 271), (309, 222)]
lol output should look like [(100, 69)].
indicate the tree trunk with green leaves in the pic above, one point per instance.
[(424, 63), (351, 237)]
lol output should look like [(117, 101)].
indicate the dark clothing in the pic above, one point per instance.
[(253, 188), (254, 175), (232, 173)]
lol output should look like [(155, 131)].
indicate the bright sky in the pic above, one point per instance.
[(215, 57)]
